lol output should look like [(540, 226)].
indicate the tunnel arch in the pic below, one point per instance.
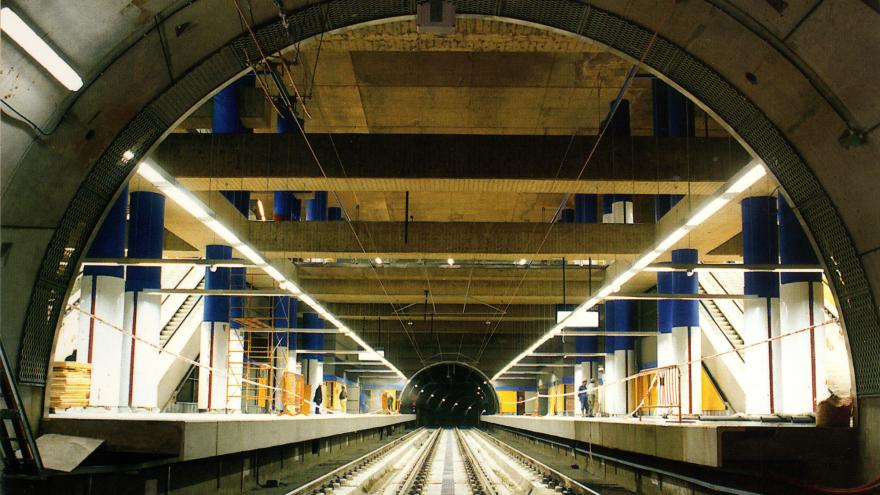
[(440, 388), (736, 104)]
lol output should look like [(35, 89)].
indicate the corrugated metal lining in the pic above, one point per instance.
[(109, 173)]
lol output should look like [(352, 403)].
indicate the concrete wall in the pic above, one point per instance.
[(809, 71), (293, 464)]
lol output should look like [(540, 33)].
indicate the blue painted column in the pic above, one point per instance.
[(686, 344), (226, 119), (241, 200), (214, 341), (608, 393), (566, 216), (286, 207), (586, 211), (662, 204), (624, 356), (287, 123), (673, 113), (334, 214), (620, 122), (284, 311), (102, 290), (146, 236), (761, 306), (225, 115), (316, 208), (801, 305), (313, 364)]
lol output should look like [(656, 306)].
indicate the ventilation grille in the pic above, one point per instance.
[(108, 175)]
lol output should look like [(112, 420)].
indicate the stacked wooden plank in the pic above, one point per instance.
[(70, 383)]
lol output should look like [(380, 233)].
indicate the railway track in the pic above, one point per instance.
[(444, 462)]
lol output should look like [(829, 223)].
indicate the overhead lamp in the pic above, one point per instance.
[(261, 211), (748, 179), (26, 38), (252, 255), (156, 176), (223, 232), (522, 262), (127, 156), (707, 211), (378, 260), (742, 181), (276, 275), (450, 262)]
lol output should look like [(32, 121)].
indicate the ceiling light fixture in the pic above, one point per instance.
[(746, 178), (184, 198), (26, 38)]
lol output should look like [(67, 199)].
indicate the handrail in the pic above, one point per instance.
[(177, 285), (173, 396), (194, 306), (732, 345)]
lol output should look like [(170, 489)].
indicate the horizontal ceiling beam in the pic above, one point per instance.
[(441, 240), (446, 292), (408, 162), (443, 312)]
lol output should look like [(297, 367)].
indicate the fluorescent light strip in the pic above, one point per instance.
[(26, 38), (746, 178), (180, 195)]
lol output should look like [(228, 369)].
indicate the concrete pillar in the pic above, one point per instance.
[(617, 208), (140, 353), (102, 290), (284, 313), (214, 342), (801, 305), (313, 364), (316, 208), (686, 338), (761, 306)]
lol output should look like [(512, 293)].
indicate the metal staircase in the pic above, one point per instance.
[(180, 316), (722, 323), (20, 454)]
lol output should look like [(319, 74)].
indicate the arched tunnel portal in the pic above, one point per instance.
[(449, 393)]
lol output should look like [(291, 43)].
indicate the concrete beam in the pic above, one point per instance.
[(407, 162), (442, 312), (190, 436), (446, 292), (418, 324), (441, 240)]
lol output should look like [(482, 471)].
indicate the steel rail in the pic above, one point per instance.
[(340, 472), (540, 467)]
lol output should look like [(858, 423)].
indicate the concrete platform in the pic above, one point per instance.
[(197, 436), (709, 443)]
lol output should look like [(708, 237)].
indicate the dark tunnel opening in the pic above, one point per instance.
[(449, 394)]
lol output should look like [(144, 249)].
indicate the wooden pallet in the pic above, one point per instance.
[(71, 385)]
